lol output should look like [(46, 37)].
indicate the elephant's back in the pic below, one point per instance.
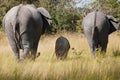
[(28, 11), (62, 47), (11, 15), (88, 20), (95, 18), (33, 10), (101, 20), (62, 44), (29, 15)]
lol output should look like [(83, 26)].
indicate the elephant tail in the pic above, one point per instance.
[(96, 34), (16, 20), (16, 27), (95, 31)]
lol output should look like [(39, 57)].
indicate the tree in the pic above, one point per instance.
[(110, 7), (63, 13)]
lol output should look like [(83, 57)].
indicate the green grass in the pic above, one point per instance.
[(77, 66)]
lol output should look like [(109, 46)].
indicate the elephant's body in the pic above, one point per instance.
[(62, 47), (23, 25), (97, 27)]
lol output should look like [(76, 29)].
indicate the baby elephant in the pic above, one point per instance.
[(62, 47)]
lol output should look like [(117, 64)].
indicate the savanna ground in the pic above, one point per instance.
[(78, 66)]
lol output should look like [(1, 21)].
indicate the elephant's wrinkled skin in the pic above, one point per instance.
[(97, 26), (62, 47), (24, 25)]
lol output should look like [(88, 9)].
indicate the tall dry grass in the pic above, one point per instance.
[(78, 66)]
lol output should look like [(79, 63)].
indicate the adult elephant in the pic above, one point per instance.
[(97, 26), (24, 25)]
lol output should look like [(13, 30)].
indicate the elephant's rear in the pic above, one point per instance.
[(30, 23), (9, 22), (62, 47), (23, 25), (95, 26)]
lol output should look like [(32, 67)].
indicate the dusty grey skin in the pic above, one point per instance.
[(62, 47), (47, 17), (45, 13), (24, 25), (97, 26)]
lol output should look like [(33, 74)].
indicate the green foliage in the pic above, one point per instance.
[(110, 7), (64, 13)]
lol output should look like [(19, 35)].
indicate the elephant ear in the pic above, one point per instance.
[(45, 14), (114, 24), (46, 18)]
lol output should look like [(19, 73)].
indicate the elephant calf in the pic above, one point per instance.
[(62, 47), (97, 26)]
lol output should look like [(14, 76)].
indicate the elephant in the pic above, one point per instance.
[(24, 25), (97, 27), (62, 47)]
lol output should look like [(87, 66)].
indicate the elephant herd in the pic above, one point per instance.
[(24, 25)]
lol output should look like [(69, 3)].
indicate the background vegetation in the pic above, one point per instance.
[(66, 15)]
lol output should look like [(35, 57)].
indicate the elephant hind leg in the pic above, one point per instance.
[(15, 49), (93, 49), (25, 53), (34, 51), (103, 45), (35, 47), (13, 43), (91, 43)]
